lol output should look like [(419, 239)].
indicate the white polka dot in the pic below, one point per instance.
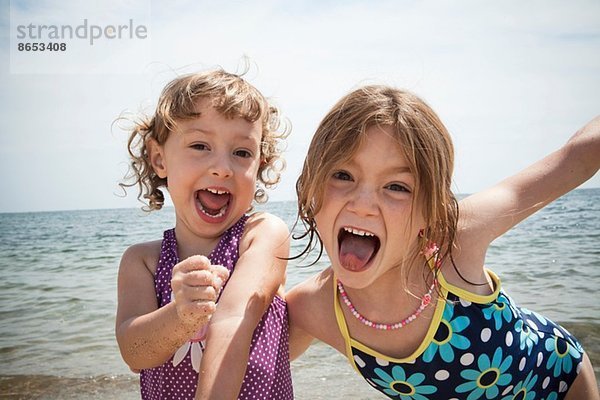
[(382, 362), (546, 382), (442, 375), (359, 361), (467, 359), (562, 386), (557, 332), (522, 364), (532, 324), (509, 338), (486, 334), (465, 303), (540, 359)]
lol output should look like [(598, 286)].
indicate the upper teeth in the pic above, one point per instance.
[(358, 232), (216, 191)]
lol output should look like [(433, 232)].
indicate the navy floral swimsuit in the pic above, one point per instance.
[(477, 347)]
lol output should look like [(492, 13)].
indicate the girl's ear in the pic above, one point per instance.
[(156, 156)]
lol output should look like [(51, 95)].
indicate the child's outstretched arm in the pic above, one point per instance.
[(488, 214), (147, 335), (259, 275)]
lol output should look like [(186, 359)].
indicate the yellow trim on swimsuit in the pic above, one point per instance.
[(445, 287), (473, 297), (350, 342)]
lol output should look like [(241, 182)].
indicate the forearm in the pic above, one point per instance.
[(149, 340), (562, 171), (225, 358), (488, 214), (259, 275)]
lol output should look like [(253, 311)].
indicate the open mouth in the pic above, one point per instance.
[(357, 248), (213, 203)]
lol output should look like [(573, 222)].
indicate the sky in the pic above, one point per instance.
[(511, 80)]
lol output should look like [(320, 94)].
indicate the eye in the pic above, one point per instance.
[(243, 153), (199, 146), (397, 187), (342, 176)]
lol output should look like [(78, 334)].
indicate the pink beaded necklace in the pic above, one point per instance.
[(425, 300)]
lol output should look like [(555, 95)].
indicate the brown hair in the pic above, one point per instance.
[(231, 96), (426, 145)]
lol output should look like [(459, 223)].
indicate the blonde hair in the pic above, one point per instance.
[(231, 96), (425, 142)]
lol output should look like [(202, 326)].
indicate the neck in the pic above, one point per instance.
[(392, 288), (189, 244)]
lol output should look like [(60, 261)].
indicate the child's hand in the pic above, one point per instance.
[(196, 285)]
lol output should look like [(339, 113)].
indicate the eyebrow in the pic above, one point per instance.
[(195, 129), (392, 169), (248, 138), (401, 170)]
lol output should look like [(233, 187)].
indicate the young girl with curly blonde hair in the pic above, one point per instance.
[(213, 143)]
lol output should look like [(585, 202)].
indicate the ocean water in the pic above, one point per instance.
[(58, 295)]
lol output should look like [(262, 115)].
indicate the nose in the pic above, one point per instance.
[(363, 202), (221, 167)]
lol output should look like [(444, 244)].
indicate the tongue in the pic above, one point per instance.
[(212, 201), (355, 252)]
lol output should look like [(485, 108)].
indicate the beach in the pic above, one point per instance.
[(58, 295)]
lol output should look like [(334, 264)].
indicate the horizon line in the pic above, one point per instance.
[(255, 205)]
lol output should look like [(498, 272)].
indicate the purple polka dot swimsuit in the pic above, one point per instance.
[(268, 373)]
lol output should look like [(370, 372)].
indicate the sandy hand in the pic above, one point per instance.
[(196, 284)]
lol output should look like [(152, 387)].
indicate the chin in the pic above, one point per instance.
[(355, 279)]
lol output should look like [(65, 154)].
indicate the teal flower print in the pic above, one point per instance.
[(527, 337), (577, 346), (402, 387), (499, 309), (562, 355), (570, 338), (523, 390), (539, 317), (490, 375), (447, 336)]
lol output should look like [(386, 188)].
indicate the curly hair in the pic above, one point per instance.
[(424, 140), (231, 96)]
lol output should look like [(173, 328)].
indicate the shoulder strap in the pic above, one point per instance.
[(469, 296), (341, 321)]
